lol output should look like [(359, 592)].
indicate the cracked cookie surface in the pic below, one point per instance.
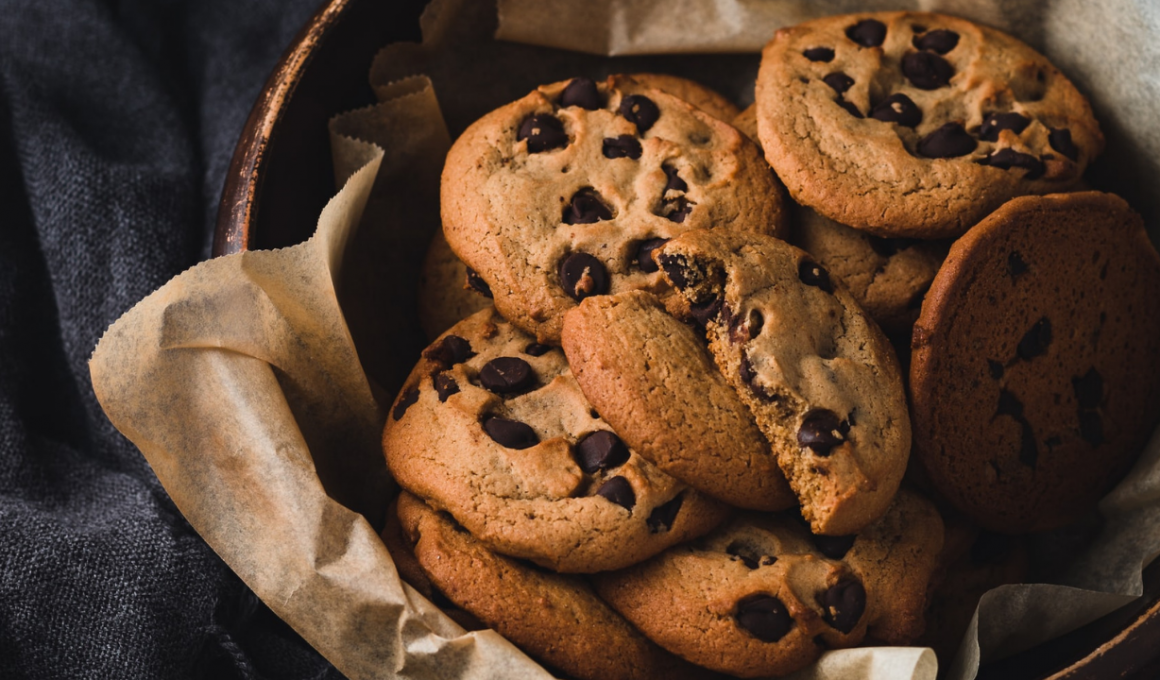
[(562, 194), (492, 427), (1035, 374), (819, 377), (917, 124)]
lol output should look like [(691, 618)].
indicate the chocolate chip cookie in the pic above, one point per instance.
[(491, 427), (762, 596), (819, 377), (652, 379), (917, 124), (1035, 374), (560, 195), (553, 617)]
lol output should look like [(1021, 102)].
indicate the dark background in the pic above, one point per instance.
[(117, 123)]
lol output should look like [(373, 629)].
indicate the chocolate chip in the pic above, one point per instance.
[(754, 323), (704, 312), (644, 253), (582, 276), (939, 40), (675, 268), (1036, 341), (993, 123), (1028, 448), (451, 350), (600, 450), (1009, 405), (813, 274), (445, 386), (745, 553), (990, 547), (624, 146), (677, 209), (1005, 159), (819, 54), (510, 433), (1060, 140), (586, 208), (867, 33), (840, 82), (849, 107), (409, 397), (581, 92), (476, 283), (898, 108), (834, 547), (537, 350), (507, 375), (1016, 267), (927, 71), (639, 110), (763, 616), (674, 183), (1089, 389), (619, 491), (995, 368), (948, 141), (662, 517), (1091, 427), (543, 132), (821, 431), (843, 604)]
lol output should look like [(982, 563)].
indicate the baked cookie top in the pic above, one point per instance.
[(917, 124), (491, 427), (562, 194), (1035, 374), (556, 618), (819, 377)]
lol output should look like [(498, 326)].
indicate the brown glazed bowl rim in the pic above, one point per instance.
[(1126, 641)]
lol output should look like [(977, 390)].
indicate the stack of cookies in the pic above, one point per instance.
[(671, 434)]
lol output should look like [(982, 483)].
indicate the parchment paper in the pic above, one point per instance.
[(240, 382)]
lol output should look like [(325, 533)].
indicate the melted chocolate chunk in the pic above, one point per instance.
[(990, 547), (834, 547), (451, 350), (445, 386), (582, 276), (544, 132), (867, 33), (821, 431), (409, 397), (1016, 267), (898, 108), (675, 268), (763, 616), (1005, 159), (1036, 341), (1089, 389), (582, 92), (1060, 140), (1091, 427), (926, 70), (586, 208), (662, 517), (948, 141), (476, 283), (939, 40), (674, 183), (678, 209), (600, 450), (619, 491), (849, 107), (745, 553), (819, 54), (507, 375), (1028, 447), (995, 368), (993, 123), (644, 253), (640, 111), (840, 82), (813, 274), (537, 350), (510, 433), (624, 146), (1009, 405), (843, 603), (704, 312)]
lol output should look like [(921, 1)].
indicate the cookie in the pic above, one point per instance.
[(651, 378), (888, 277), (746, 122), (448, 291), (917, 124), (1035, 373), (561, 195), (761, 596), (492, 427), (557, 619), (818, 375), (708, 100)]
